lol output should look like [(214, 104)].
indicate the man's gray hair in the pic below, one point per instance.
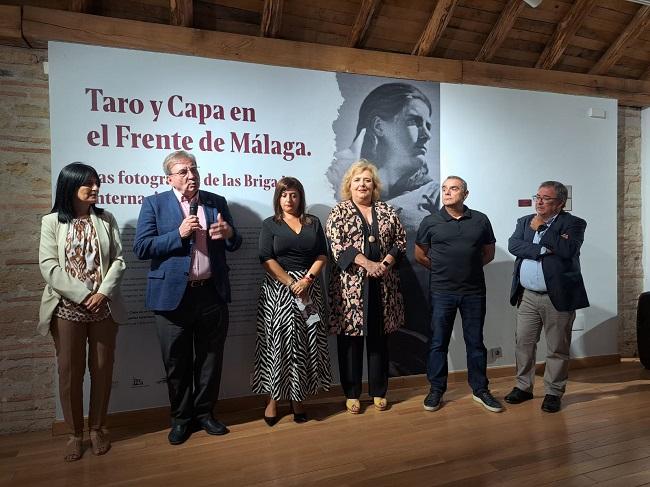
[(171, 159), (561, 192), (463, 183)]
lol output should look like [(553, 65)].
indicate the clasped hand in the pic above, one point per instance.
[(94, 302), (375, 269)]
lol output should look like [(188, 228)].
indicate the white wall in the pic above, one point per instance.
[(504, 143), (645, 195)]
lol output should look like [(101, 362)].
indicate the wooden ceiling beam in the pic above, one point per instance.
[(271, 18), (40, 25), (181, 13), (362, 22), (10, 26), (432, 33), (564, 32), (500, 30), (638, 24), (646, 75), (82, 6)]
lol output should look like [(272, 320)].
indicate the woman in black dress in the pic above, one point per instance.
[(291, 355)]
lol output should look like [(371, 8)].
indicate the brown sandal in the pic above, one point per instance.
[(353, 406), (73, 449), (99, 442)]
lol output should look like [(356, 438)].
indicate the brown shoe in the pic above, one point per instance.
[(73, 449), (99, 442)]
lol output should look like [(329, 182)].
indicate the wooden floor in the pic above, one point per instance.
[(601, 436)]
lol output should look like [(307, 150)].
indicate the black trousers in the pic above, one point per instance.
[(192, 339), (350, 353)]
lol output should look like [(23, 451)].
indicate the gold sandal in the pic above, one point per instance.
[(99, 442), (380, 403), (73, 449), (353, 406)]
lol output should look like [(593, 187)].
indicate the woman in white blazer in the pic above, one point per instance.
[(80, 258)]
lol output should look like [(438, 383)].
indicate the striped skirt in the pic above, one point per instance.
[(291, 355)]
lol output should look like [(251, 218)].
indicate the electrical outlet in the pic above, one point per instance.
[(493, 354)]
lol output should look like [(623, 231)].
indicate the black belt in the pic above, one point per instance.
[(536, 292), (198, 282)]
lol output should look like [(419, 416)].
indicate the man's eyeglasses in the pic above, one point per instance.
[(185, 171), (545, 199)]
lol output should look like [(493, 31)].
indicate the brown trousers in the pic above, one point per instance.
[(70, 339)]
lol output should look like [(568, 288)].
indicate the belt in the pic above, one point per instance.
[(198, 282), (536, 292)]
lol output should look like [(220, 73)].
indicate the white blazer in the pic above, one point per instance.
[(51, 260)]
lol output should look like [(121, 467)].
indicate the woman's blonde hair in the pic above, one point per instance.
[(360, 166)]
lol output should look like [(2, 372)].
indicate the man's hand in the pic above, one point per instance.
[(189, 226), (220, 230), (536, 222)]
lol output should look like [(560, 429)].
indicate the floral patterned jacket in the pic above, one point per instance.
[(345, 233)]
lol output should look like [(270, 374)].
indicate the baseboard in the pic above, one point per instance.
[(242, 403)]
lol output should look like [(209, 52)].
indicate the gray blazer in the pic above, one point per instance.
[(51, 260)]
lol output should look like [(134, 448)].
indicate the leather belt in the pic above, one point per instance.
[(537, 292), (198, 282)]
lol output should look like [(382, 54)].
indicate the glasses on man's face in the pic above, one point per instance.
[(545, 199), (185, 171)]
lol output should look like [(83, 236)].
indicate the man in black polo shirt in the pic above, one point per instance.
[(454, 244)]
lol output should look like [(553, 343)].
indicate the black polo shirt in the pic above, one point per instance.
[(456, 250)]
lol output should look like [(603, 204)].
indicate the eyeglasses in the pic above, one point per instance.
[(184, 172), (545, 199)]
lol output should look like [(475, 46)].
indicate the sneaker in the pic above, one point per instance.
[(432, 401), (488, 401)]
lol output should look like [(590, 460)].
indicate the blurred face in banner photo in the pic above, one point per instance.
[(184, 177), (403, 139)]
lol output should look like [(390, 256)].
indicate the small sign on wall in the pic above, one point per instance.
[(568, 205)]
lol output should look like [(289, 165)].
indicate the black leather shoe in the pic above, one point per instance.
[(271, 420), (299, 417), (551, 404), (517, 396), (212, 426), (179, 434)]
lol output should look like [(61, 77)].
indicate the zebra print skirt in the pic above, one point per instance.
[(291, 356)]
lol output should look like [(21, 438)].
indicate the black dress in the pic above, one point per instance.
[(291, 354)]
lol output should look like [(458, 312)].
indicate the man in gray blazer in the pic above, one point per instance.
[(547, 288)]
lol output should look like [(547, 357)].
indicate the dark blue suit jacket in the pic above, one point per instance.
[(157, 238), (561, 267)]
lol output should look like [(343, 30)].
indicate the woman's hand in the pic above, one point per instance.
[(300, 288), (375, 269), (95, 302)]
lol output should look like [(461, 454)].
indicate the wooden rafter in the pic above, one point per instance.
[(271, 18), (564, 32), (638, 24), (181, 12), (432, 33), (40, 25), (646, 75), (362, 22), (82, 6), (500, 30)]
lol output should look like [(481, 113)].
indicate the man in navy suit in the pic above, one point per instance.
[(547, 288), (186, 232)]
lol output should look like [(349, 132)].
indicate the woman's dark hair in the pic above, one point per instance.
[(384, 102), (285, 184), (70, 179)]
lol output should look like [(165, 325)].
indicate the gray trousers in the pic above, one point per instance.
[(534, 312)]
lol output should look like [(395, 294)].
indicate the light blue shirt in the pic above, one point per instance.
[(531, 274)]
